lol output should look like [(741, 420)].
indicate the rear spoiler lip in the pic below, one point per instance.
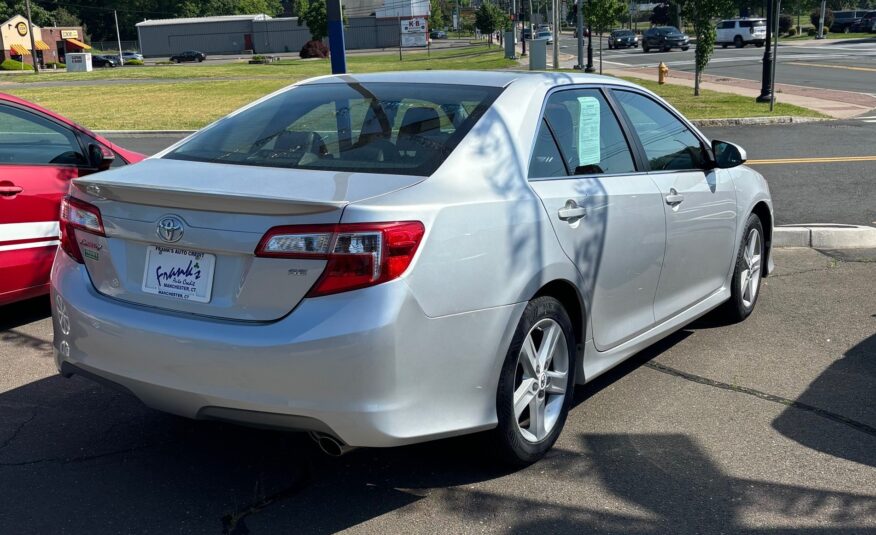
[(191, 199)]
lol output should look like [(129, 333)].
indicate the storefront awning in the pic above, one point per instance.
[(79, 44), (42, 46), (19, 50)]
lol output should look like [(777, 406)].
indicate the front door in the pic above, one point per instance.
[(247, 42), (699, 203), (607, 214), (38, 158)]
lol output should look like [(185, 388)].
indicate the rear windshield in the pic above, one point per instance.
[(844, 14), (622, 33), (407, 129)]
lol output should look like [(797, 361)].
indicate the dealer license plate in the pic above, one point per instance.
[(178, 273)]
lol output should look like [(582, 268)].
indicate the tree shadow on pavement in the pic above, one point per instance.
[(847, 387)]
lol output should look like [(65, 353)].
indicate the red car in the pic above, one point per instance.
[(40, 152)]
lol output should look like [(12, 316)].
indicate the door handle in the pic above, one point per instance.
[(9, 191), (571, 211), (674, 198)]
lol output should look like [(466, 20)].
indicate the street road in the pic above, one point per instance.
[(842, 191), (768, 426), (847, 66)]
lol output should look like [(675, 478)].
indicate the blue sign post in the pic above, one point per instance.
[(336, 36)]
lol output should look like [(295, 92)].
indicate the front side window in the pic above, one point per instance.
[(358, 127), (29, 139), (669, 144), (587, 132)]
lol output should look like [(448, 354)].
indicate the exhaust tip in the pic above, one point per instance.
[(330, 445)]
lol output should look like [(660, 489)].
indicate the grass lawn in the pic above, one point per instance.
[(189, 97), (838, 35), (715, 105)]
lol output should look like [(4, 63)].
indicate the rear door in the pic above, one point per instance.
[(38, 158), (607, 213), (699, 203)]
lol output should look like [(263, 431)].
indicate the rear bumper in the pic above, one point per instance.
[(368, 366)]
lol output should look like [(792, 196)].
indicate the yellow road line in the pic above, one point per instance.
[(848, 67), (835, 159)]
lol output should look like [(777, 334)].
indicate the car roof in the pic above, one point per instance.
[(477, 78)]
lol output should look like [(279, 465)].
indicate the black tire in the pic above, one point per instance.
[(514, 448), (645, 49), (723, 45), (758, 44), (738, 307), (738, 42), (685, 48), (667, 49)]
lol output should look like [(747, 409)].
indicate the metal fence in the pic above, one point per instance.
[(108, 46)]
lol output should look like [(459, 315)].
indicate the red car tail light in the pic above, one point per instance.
[(77, 214), (357, 254)]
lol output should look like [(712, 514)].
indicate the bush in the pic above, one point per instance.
[(314, 49), (828, 19), (53, 65), (785, 23), (12, 65), (792, 32), (133, 62)]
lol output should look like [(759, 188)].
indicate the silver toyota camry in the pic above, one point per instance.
[(384, 259)]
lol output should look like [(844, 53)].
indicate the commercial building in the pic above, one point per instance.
[(52, 44)]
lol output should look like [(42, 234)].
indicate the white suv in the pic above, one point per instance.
[(740, 32)]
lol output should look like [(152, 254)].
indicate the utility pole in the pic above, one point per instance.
[(118, 37), (767, 72), (556, 24), (821, 20), (579, 29), (33, 52), (335, 19), (775, 57)]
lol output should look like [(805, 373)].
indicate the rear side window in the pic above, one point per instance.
[(378, 127), (727, 25)]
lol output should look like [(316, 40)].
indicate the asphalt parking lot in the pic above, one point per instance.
[(765, 426)]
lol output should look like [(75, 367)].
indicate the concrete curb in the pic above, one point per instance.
[(746, 121), (825, 236)]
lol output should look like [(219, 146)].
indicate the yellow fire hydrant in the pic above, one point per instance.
[(662, 73)]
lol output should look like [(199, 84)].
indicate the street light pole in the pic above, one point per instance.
[(767, 72), (589, 67), (36, 64), (579, 30)]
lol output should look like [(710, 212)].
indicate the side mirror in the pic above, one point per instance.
[(728, 155), (100, 157)]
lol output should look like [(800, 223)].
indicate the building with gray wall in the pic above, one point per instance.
[(260, 34)]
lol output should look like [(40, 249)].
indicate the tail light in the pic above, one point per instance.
[(358, 254), (77, 214)]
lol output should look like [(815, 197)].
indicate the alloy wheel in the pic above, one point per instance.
[(541, 380), (749, 281)]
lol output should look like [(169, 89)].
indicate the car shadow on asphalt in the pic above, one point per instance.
[(78, 457), (24, 312)]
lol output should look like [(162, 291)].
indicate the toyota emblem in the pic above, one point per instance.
[(170, 229)]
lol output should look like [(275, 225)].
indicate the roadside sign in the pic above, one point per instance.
[(414, 32)]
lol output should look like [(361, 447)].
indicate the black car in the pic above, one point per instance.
[(664, 38), (623, 39), (866, 24), (104, 61), (438, 34), (188, 55)]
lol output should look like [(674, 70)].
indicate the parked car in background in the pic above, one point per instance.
[(844, 20), (104, 61), (455, 260), (438, 34), (866, 24), (132, 55), (40, 153), (188, 55), (623, 39), (527, 33), (586, 32), (741, 32), (545, 34), (664, 38)]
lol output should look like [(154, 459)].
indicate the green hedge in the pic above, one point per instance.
[(133, 62), (12, 65)]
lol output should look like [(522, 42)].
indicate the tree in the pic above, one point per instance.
[(660, 15), (489, 19), (701, 13), (316, 19), (437, 19), (785, 23), (816, 15)]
